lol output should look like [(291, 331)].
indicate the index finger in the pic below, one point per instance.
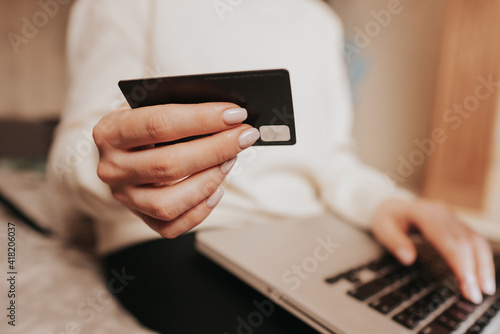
[(165, 123)]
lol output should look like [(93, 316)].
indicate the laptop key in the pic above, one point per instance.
[(475, 329), (419, 312), (423, 281), (429, 303), (456, 313), (496, 304), (466, 306), (403, 293), (490, 312), (353, 276), (448, 322), (367, 290), (386, 303), (478, 326), (407, 318), (334, 279), (422, 308), (482, 321), (410, 289), (446, 292), (434, 328), (485, 318), (399, 273)]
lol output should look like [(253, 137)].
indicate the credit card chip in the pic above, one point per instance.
[(272, 133)]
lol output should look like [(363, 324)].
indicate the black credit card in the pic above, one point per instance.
[(265, 94)]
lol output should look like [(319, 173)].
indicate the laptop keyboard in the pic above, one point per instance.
[(423, 297)]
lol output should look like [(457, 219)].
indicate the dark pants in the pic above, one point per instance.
[(171, 288)]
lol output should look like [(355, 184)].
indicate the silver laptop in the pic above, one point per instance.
[(339, 280)]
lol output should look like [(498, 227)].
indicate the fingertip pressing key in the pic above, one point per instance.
[(489, 286), (472, 289), (405, 256)]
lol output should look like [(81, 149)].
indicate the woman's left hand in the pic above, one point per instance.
[(468, 254)]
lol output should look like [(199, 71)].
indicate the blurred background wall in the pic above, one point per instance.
[(493, 212), (394, 98), (32, 73)]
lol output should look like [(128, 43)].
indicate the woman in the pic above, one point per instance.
[(137, 193)]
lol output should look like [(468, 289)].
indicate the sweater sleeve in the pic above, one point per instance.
[(107, 42)]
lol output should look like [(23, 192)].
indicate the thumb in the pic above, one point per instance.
[(392, 235)]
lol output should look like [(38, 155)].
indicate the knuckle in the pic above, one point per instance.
[(119, 195), (434, 209), (105, 129), (220, 151), (110, 170), (472, 236), (183, 224), (210, 183), (195, 218), (105, 172), (161, 210), (166, 167), (201, 118), (157, 123), (120, 132)]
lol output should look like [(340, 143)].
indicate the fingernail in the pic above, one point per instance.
[(214, 199), (226, 166), (248, 138), (489, 285), (474, 293), (235, 115), (405, 256)]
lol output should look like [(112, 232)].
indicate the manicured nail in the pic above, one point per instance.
[(474, 293), (214, 199), (405, 256), (248, 138), (235, 115), (489, 285), (226, 166)]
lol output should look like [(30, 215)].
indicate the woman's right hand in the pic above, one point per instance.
[(172, 188)]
